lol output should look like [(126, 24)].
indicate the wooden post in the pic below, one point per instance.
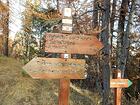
[(118, 90), (65, 83), (64, 91), (118, 83), (64, 87)]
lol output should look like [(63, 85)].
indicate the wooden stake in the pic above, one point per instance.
[(64, 87), (118, 84), (65, 83), (64, 91), (117, 96), (118, 90)]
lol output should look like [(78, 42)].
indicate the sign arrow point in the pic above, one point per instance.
[(129, 83)]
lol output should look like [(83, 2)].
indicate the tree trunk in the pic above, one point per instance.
[(57, 4), (27, 29), (112, 20), (6, 33), (95, 14), (121, 33), (126, 45), (106, 51)]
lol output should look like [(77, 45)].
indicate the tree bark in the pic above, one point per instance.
[(112, 20), (95, 14), (126, 44), (27, 29), (57, 4), (6, 33), (106, 51), (121, 33)]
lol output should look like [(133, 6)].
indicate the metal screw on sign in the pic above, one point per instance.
[(65, 56)]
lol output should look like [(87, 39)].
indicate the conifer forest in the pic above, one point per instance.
[(69, 52)]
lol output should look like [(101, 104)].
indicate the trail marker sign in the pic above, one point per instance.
[(64, 68), (120, 83), (55, 68), (72, 43)]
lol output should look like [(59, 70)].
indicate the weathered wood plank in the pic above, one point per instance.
[(55, 68), (72, 43), (119, 83)]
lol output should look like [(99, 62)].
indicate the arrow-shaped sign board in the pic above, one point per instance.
[(72, 43), (120, 83), (55, 68)]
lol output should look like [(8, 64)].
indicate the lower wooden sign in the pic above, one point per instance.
[(55, 68), (120, 83)]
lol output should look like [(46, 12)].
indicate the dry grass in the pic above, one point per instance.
[(19, 89)]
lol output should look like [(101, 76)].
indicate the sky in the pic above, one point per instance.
[(16, 10), (16, 13)]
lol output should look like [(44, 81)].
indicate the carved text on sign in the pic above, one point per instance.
[(120, 83), (71, 43), (55, 68)]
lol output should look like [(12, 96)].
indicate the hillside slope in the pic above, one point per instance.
[(17, 88)]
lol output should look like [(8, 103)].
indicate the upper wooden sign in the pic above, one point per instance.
[(72, 43), (55, 68)]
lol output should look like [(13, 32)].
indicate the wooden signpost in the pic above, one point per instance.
[(118, 84), (64, 68), (64, 89)]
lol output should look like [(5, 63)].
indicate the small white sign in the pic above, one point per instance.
[(67, 12), (67, 21), (67, 28)]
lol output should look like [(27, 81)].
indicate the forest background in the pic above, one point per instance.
[(119, 23)]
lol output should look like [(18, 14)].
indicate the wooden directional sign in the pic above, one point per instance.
[(72, 43), (120, 83), (55, 68)]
